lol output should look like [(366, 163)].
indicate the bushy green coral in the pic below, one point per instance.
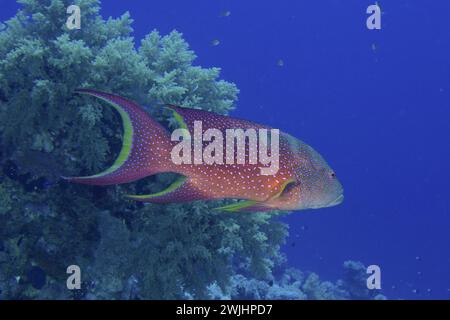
[(6, 201), (180, 251)]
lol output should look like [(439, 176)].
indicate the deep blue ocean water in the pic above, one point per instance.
[(374, 103)]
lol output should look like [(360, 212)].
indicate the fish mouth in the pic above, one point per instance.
[(332, 203), (336, 201)]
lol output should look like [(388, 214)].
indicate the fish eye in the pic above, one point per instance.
[(333, 175)]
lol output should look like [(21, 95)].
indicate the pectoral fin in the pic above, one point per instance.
[(255, 206), (282, 189)]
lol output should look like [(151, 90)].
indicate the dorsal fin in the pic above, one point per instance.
[(187, 116)]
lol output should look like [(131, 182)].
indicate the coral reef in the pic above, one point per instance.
[(126, 250), (296, 285)]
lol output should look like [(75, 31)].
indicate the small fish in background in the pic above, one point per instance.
[(374, 51), (280, 63), (215, 42), (225, 13)]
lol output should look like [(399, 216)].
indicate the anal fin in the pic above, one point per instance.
[(246, 206), (181, 190)]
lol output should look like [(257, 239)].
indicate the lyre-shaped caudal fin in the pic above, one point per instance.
[(145, 147)]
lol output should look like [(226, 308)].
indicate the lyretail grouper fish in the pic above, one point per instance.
[(302, 179)]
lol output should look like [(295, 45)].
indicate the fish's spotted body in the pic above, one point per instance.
[(303, 180)]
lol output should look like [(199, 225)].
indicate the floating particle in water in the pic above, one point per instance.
[(415, 291), (280, 63), (374, 50), (37, 277), (225, 13), (419, 273), (215, 42), (38, 184), (418, 258)]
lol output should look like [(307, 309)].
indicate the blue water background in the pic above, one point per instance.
[(374, 103)]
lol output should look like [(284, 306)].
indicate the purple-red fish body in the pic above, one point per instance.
[(303, 179)]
